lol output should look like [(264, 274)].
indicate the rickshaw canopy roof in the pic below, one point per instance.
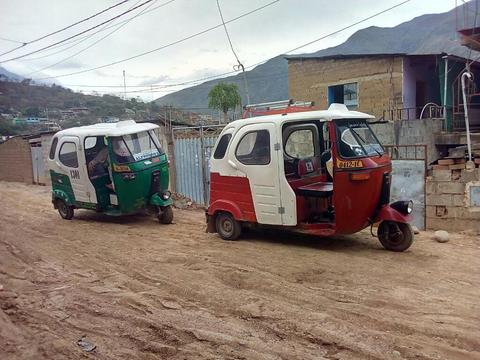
[(334, 112), (108, 129)]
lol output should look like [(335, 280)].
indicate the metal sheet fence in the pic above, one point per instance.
[(192, 149)]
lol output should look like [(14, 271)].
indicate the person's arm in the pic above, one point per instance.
[(100, 158)]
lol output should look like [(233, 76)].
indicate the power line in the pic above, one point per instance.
[(161, 47), (161, 89), (296, 48), (94, 43), (240, 65), (349, 26), (86, 37), (65, 28), (218, 76), (10, 40), (78, 34)]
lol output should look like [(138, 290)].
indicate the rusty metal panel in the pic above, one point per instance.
[(408, 183)]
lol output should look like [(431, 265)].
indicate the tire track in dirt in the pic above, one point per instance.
[(141, 290)]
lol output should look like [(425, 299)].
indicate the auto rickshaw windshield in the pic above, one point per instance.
[(136, 147), (356, 139)]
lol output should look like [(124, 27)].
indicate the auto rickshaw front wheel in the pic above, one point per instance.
[(165, 215), (395, 236), (65, 211), (227, 227)]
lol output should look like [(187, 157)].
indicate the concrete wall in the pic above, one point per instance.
[(449, 202), (379, 81), (411, 132), (16, 161)]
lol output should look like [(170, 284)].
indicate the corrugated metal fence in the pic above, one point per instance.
[(192, 149)]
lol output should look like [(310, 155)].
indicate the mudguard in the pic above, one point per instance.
[(390, 214), (60, 194), (227, 206), (157, 200)]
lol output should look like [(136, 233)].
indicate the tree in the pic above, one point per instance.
[(224, 97)]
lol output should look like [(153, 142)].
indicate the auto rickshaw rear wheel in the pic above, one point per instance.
[(65, 211), (395, 236), (166, 215), (227, 227)]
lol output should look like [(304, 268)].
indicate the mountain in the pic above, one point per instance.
[(426, 34), (6, 75)]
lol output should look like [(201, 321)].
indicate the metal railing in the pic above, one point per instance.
[(428, 111)]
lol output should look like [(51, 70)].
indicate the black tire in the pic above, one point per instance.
[(395, 236), (65, 211), (166, 216), (227, 227)]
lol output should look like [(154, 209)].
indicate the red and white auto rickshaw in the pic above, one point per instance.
[(317, 172)]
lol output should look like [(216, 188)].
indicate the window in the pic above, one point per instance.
[(350, 95), (222, 146), (90, 142), (136, 147), (356, 139), (53, 148), (68, 155), (300, 144), (344, 94), (254, 148)]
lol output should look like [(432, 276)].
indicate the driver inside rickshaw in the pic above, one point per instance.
[(99, 165)]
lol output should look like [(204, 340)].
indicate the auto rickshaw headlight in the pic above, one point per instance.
[(166, 195), (405, 207), (410, 207)]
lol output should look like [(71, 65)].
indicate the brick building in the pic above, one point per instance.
[(392, 86)]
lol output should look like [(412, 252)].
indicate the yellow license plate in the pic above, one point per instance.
[(348, 164)]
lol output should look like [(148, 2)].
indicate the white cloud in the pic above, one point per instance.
[(257, 37)]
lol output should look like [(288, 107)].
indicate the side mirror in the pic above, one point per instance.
[(232, 164)]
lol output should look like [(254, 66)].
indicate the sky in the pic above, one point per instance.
[(268, 32)]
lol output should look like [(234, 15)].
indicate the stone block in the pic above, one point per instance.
[(442, 175), (451, 188), (438, 200), (430, 211), (431, 187), (438, 223), (468, 176), (458, 200), (465, 213)]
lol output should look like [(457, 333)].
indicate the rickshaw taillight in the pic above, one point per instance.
[(360, 176)]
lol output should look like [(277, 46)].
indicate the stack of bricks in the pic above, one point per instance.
[(452, 201)]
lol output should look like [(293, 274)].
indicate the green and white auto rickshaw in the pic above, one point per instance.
[(116, 169)]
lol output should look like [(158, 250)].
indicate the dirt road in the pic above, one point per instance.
[(140, 290)]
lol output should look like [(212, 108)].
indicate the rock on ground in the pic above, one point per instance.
[(441, 236)]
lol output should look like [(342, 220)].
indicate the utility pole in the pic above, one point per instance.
[(124, 93), (245, 81), (124, 87)]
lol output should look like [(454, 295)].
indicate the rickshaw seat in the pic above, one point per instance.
[(319, 190)]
